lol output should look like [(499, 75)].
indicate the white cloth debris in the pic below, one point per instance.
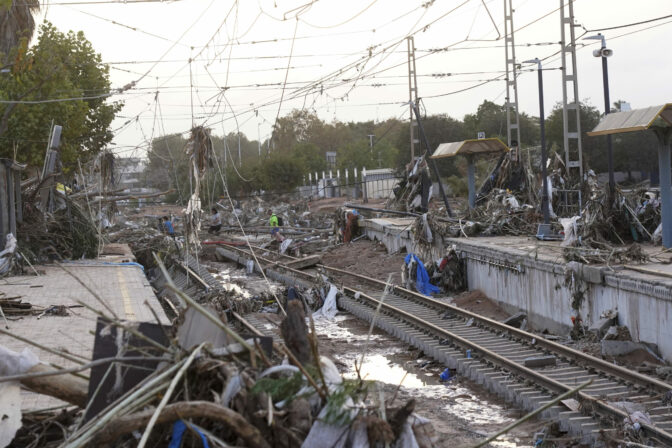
[(284, 245), (7, 255), (658, 235), (10, 410), (329, 309), (425, 227), (12, 363), (571, 231)]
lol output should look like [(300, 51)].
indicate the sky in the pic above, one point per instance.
[(238, 65)]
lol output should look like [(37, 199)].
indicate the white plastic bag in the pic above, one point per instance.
[(571, 231), (329, 309)]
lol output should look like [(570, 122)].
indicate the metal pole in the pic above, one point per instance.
[(607, 109), (471, 181), (259, 140), (431, 161), (412, 89), (542, 128), (664, 136)]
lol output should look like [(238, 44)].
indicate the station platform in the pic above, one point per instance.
[(120, 286), (524, 274)]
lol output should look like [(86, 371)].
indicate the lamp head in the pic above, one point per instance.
[(533, 61)]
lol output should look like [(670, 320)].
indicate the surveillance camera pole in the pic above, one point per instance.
[(607, 109), (604, 53)]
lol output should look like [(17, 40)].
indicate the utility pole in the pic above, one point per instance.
[(412, 91), (259, 140), (371, 140), (512, 117), (571, 110)]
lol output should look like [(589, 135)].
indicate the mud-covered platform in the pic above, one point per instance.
[(68, 294)]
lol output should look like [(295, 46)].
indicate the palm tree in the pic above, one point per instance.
[(16, 22)]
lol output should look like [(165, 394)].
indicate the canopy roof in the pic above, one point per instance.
[(470, 147), (634, 120)]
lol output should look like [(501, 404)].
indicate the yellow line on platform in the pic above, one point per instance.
[(126, 298)]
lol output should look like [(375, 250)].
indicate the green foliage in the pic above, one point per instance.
[(281, 173), (336, 412), (310, 155), (59, 66), (283, 388), (458, 185)]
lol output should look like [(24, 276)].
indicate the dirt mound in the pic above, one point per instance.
[(477, 302)]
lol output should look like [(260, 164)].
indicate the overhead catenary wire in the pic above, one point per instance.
[(627, 25)]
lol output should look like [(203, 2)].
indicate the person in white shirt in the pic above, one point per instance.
[(215, 222)]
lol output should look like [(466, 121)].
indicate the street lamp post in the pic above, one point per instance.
[(542, 128), (604, 53)]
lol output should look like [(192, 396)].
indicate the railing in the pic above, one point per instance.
[(372, 184)]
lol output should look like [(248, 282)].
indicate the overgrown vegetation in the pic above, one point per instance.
[(59, 66), (301, 142)]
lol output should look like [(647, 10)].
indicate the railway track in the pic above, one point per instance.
[(502, 358)]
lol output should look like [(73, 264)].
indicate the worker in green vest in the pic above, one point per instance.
[(275, 226)]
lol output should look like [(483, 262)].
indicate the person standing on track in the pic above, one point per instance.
[(275, 226)]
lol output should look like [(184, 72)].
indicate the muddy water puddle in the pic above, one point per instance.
[(461, 411)]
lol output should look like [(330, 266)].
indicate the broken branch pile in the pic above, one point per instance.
[(228, 392), (66, 233)]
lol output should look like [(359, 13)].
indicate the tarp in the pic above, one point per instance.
[(422, 283)]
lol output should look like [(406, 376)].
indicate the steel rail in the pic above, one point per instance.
[(623, 373), (606, 367), (494, 358)]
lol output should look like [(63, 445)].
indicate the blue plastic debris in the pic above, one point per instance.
[(179, 428), (445, 375), (422, 283)]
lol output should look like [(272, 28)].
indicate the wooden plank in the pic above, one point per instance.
[(303, 263)]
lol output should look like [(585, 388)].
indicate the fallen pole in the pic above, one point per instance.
[(381, 210)]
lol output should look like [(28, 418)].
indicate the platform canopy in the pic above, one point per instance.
[(634, 120), (481, 146)]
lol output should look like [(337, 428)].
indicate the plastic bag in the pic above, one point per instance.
[(329, 309), (571, 231)]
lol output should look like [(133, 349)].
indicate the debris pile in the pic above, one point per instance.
[(413, 192), (208, 382), (610, 231), (66, 233)]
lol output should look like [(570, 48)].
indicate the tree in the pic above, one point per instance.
[(491, 119), (17, 25), (297, 127), (439, 129), (594, 149), (59, 66), (168, 166), (310, 157)]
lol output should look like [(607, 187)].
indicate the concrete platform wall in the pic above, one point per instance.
[(544, 289)]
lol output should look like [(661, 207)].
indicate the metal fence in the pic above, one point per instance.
[(356, 184)]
